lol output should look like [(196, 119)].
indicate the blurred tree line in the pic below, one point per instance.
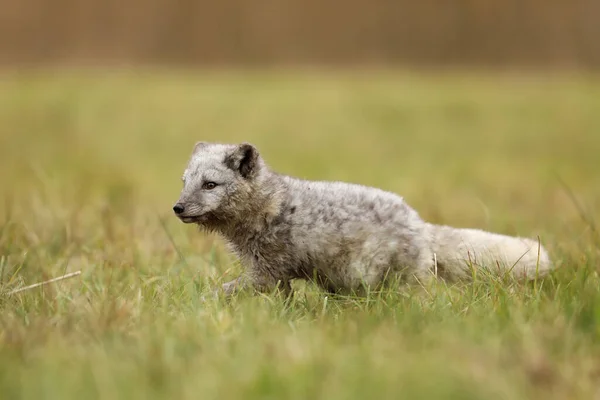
[(274, 32)]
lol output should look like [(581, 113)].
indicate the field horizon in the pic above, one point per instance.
[(90, 165)]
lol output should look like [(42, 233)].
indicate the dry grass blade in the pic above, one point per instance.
[(60, 278)]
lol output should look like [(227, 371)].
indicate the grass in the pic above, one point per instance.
[(90, 164)]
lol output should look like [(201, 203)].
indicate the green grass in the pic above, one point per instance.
[(90, 166)]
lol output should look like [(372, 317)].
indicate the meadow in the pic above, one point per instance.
[(90, 166)]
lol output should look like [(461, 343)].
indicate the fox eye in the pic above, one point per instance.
[(209, 185)]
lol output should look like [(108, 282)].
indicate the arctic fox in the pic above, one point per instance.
[(343, 236)]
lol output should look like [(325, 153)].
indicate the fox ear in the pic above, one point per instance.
[(198, 146), (244, 159)]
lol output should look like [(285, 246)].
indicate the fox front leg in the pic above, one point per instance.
[(259, 285), (232, 287)]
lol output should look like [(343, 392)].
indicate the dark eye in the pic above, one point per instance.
[(209, 185)]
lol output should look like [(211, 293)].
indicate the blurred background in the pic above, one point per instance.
[(481, 103), (432, 33)]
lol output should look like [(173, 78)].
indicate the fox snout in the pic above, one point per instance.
[(187, 212), (179, 208), (182, 210)]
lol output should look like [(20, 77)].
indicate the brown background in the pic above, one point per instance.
[(562, 33)]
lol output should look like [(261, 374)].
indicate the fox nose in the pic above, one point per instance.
[(178, 208)]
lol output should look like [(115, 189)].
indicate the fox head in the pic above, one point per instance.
[(218, 183)]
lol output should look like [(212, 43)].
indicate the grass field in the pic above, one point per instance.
[(90, 165)]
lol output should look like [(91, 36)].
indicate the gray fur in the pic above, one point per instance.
[(343, 236)]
